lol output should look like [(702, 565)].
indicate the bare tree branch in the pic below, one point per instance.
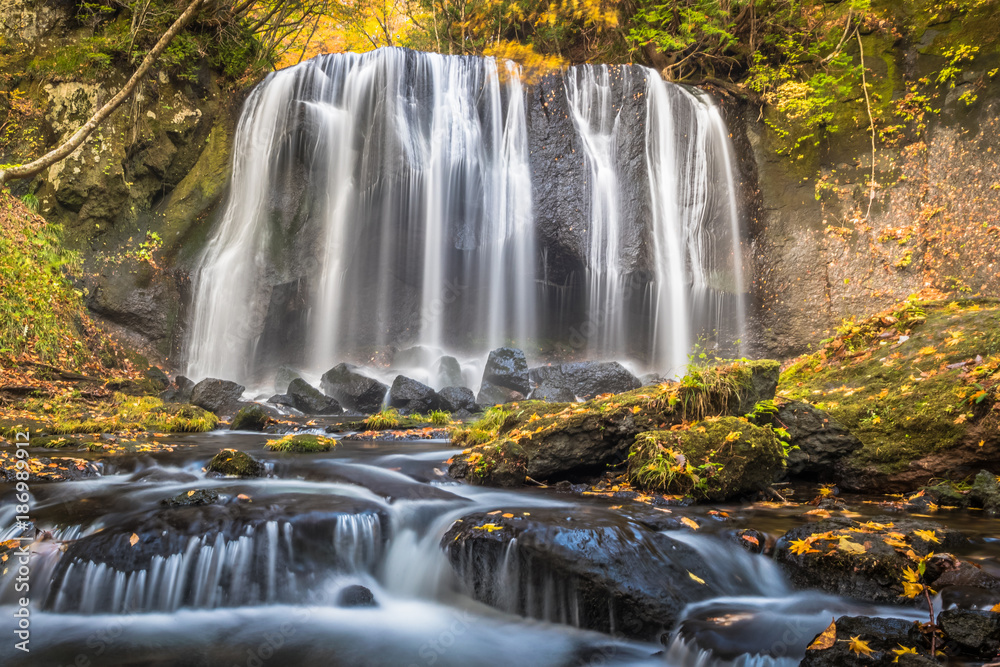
[(71, 144)]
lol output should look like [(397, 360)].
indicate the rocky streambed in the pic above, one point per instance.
[(369, 553)]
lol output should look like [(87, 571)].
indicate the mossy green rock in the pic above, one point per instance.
[(917, 384), (234, 463), (712, 460), (547, 441), (302, 443), (250, 418)]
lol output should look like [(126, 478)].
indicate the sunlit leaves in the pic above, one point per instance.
[(859, 647), (927, 536), (802, 547), (825, 639)]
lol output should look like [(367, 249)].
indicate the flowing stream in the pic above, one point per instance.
[(394, 199), (266, 574)]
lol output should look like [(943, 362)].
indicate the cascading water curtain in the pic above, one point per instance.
[(386, 199), (695, 230), (692, 235), (411, 181)]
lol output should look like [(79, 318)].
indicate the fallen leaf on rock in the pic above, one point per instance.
[(927, 536), (696, 578), (488, 527), (133, 540), (825, 639), (690, 523), (860, 647)]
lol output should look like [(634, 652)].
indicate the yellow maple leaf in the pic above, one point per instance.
[(735, 435), (903, 650), (911, 590), (927, 536), (860, 647), (636, 410), (927, 350), (533, 418), (911, 575), (488, 527), (850, 547), (690, 523), (996, 607), (825, 639), (800, 547)]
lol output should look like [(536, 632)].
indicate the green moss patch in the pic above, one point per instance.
[(302, 443), (915, 380), (234, 463), (716, 459), (125, 413), (570, 440), (250, 418)]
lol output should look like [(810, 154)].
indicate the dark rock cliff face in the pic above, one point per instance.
[(158, 165), (820, 257)]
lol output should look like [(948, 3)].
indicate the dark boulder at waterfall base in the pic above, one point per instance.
[(449, 372), (355, 596), (308, 400), (408, 395), (283, 377), (179, 391), (505, 377), (455, 399), (582, 380), (218, 396), (620, 576), (352, 389)]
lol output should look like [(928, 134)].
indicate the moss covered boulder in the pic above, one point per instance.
[(234, 463), (249, 418), (302, 443), (917, 385), (715, 459), (555, 441)]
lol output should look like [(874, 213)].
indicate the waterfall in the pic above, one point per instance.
[(385, 200)]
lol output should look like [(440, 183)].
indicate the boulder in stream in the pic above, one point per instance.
[(408, 395), (881, 637), (449, 372), (283, 377), (454, 399), (580, 567), (861, 560), (234, 463), (179, 391), (311, 401), (352, 389), (714, 460), (218, 396), (505, 377), (249, 418), (572, 441), (584, 380)]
